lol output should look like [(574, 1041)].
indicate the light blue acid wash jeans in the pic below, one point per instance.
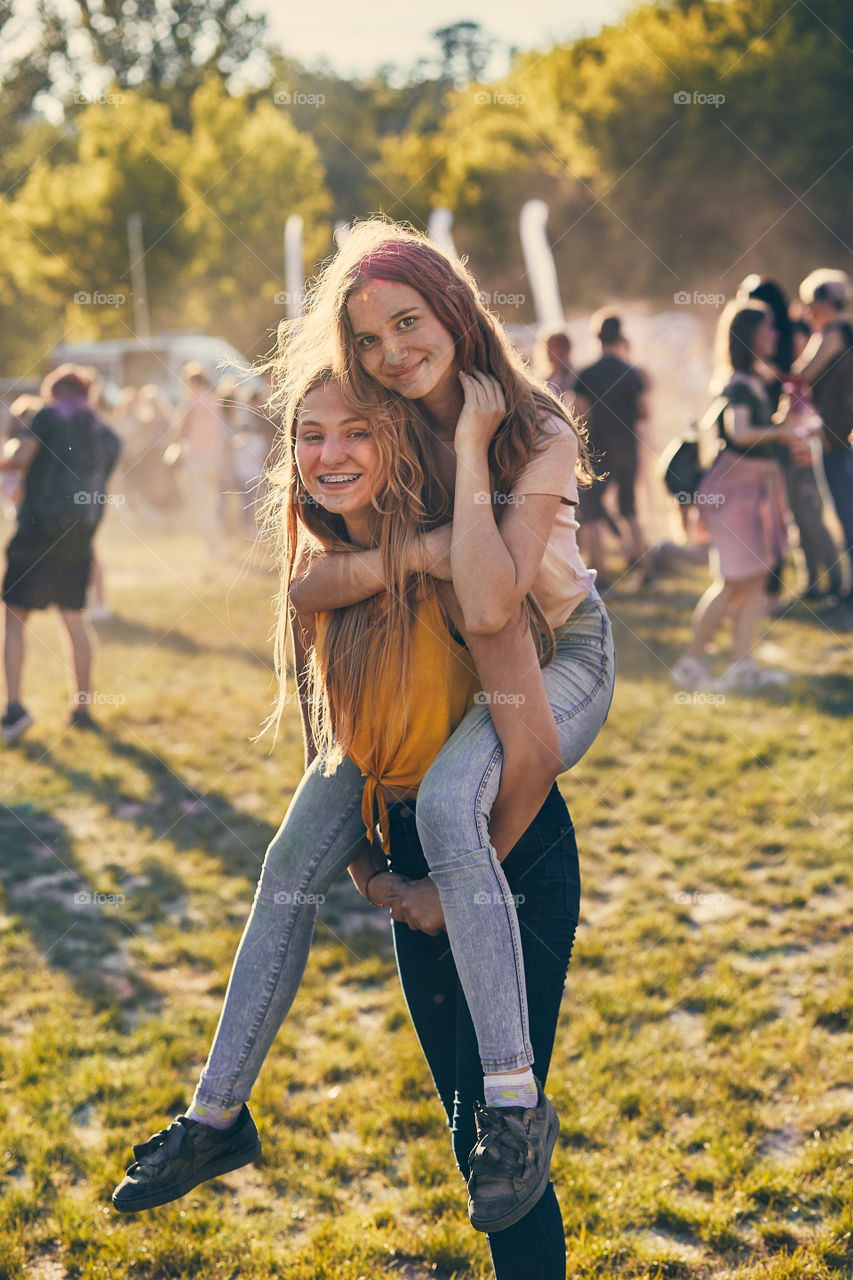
[(454, 803), (323, 831), (321, 834)]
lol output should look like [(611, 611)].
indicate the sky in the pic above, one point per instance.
[(356, 38), (373, 32)]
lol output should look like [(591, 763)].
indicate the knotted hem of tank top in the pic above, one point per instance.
[(373, 798)]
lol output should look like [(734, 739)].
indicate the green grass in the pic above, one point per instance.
[(704, 1061)]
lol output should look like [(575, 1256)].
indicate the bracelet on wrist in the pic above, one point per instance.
[(373, 876)]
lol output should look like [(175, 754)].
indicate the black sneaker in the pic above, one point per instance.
[(511, 1162), (177, 1159), (16, 720), (81, 718)]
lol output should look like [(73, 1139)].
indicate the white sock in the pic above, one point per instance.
[(510, 1089), (217, 1117)]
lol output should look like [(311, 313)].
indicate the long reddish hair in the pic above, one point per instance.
[(377, 249)]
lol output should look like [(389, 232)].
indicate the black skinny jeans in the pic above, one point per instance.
[(542, 871)]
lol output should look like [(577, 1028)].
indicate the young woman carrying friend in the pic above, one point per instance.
[(517, 452), (413, 697), (399, 648)]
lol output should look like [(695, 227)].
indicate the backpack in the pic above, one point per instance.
[(686, 459)]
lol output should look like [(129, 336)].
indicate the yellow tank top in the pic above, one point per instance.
[(444, 683)]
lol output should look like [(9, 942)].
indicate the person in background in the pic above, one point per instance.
[(232, 413), (558, 374), (98, 609), (804, 496), (66, 460), (774, 372), (826, 366), (155, 489), (612, 395), (201, 435), (123, 418), (800, 335), (251, 445), (21, 413), (623, 351), (742, 504), (774, 369)]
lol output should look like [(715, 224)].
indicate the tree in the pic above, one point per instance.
[(691, 158), (23, 78), (351, 120), (166, 48), (128, 159), (246, 169), (465, 51), (30, 321)]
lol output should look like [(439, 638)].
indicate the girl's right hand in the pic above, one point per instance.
[(483, 411)]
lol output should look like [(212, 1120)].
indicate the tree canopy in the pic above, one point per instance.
[(692, 143)]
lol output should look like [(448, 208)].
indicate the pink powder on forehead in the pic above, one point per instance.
[(376, 282), (365, 291)]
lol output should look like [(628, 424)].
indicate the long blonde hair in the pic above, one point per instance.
[(369, 642)]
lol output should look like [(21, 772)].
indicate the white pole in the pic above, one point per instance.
[(539, 262), (294, 272), (141, 322), (438, 230)]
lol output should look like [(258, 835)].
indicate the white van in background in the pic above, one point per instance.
[(136, 362)]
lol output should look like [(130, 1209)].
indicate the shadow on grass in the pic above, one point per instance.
[(831, 694), (81, 928), (127, 631), (644, 623), (84, 928), (175, 812), (651, 628)]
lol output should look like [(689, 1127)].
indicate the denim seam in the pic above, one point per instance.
[(601, 681), (581, 706), (515, 935)]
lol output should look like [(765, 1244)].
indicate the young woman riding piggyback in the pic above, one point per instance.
[(502, 456)]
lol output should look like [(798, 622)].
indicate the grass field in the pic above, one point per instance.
[(704, 1064)]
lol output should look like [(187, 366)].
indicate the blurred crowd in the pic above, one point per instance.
[(201, 458), (771, 507), (70, 453), (773, 504)]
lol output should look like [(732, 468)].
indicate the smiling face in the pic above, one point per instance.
[(400, 341), (338, 459)]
